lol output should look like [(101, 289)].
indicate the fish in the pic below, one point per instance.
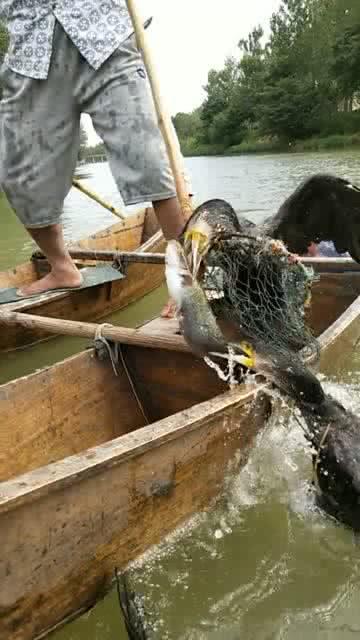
[(207, 339), (196, 319)]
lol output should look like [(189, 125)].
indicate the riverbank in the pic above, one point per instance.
[(334, 142)]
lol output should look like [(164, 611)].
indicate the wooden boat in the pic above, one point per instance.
[(139, 232), (95, 468)]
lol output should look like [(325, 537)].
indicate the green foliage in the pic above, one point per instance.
[(187, 124), (4, 43), (302, 84)]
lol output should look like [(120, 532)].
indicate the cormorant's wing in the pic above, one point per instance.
[(132, 609), (323, 207)]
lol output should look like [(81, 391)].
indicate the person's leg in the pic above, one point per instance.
[(120, 105), (170, 217), (39, 141)]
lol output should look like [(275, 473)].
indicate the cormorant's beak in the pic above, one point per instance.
[(196, 243), (246, 357)]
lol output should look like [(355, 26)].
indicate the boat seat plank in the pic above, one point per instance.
[(160, 327)]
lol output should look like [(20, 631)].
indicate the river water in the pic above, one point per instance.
[(263, 564)]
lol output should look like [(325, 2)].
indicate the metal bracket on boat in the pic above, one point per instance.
[(40, 263), (106, 349)]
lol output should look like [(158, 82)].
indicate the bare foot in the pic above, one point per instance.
[(69, 277), (169, 311)]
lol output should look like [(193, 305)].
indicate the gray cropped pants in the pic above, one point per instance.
[(40, 124)]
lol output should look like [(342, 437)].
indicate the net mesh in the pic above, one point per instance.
[(255, 283)]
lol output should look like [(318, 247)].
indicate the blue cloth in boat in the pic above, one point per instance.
[(327, 249)]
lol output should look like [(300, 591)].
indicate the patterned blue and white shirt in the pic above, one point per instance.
[(96, 27)]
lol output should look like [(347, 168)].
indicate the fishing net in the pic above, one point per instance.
[(255, 283)]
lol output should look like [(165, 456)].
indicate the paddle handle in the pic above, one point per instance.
[(97, 199), (164, 120), (76, 329)]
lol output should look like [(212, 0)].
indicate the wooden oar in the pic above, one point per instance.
[(98, 199), (90, 330), (106, 255), (164, 120)]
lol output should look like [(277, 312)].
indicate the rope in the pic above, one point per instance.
[(229, 377), (115, 351)]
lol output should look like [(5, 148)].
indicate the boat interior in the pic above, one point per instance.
[(126, 235), (80, 403)]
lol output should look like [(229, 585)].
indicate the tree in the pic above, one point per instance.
[(219, 89), (187, 125), (346, 64), (298, 93), (298, 84)]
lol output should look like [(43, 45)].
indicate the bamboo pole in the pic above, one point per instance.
[(97, 199), (77, 329), (106, 255), (164, 120)]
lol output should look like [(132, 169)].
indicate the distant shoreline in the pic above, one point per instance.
[(329, 143)]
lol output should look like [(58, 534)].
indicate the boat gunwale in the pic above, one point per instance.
[(351, 313), (35, 484)]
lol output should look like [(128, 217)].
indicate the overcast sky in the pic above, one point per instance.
[(190, 37)]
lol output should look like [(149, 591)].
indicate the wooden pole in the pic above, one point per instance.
[(90, 329), (97, 199), (106, 255), (164, 120)]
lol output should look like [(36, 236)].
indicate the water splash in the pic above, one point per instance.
[(264, 562)]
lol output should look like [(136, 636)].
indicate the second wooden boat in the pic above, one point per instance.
[(139, 232), (95, 468)]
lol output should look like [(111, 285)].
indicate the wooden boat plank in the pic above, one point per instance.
[(95, 511), (177, 382), (344, 327), (331, 296), (331, 265), (117, 235), (51, 414), (70, 420), (160, 327)]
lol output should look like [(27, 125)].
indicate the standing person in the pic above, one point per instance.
[(67, 57)]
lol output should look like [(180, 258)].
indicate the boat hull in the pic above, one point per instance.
[(92, 475)]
